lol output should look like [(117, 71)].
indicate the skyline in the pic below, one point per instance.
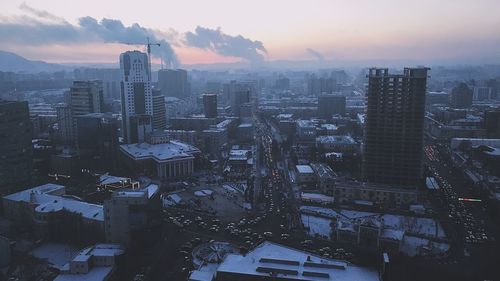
[(224, 31)]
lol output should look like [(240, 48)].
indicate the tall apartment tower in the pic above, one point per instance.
[(159, 111), (329, 105), (86, 97), (173, 82), (394, 126), (16, 152), (237, 99), (210, 105), (67, 132), (136, 94), (461, 96)]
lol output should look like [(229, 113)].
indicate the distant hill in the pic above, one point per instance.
[(14, 63)]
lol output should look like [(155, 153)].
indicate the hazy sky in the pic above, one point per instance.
[(230, 30)]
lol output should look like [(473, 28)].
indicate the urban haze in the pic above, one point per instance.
[(256, 140)]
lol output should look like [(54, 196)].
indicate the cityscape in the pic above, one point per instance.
[(228, 140)]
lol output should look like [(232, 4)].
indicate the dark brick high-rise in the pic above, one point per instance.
[(394, 126)]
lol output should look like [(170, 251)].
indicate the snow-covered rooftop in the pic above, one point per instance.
[(274, 260), (304, 169), (53, 203), (238, 154), (109, 179), (56, 254), (418, 225), (245, 125), (159, 152), (48, 198), (317, 197), (329, 127), (100, 250), (26, 194), (340, 139), (149, 191)]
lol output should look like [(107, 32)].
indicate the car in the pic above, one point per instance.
[(268, 234)]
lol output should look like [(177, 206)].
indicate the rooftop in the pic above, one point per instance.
[(239, 154), (159, 152), (274, 260), (50, 198), (149, 191), (25, 195), (245, 125), (340, 139), (304, 169), (306, 124), (100, 250), (109, 179), (329, 127)]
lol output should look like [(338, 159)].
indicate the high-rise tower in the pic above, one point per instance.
[(394, 126), (136, 94), (210, 105)]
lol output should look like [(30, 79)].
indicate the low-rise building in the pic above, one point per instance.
[(306, 130), (325, 178), (305, 175), (340, 143), (271, 261), (93, 263), (379, 194), (128, 211), (171, 160), (53, 214)]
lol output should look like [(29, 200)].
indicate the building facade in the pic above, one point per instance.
[(16, 151), (136, 94), (329, 105), (461, 96), (159, 112), (173, 82), (394, 126), (210, 105)]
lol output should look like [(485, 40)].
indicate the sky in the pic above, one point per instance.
[(192, 32)]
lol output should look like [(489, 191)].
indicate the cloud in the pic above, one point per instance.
[(40, 13), (226, 45), (41, 28), (113, 31), (89, 30), (315, 54)]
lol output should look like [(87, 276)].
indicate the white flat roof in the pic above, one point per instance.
[(109, 179), (52, 203), (25, 195), (316, 197), (159, 152), (336, 139), (47, 202), (304, 169), (274, 260)]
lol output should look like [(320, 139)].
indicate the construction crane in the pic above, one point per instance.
[(148, 48)]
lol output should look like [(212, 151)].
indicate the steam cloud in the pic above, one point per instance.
[(315, 54), (42, 28), (226, 45)]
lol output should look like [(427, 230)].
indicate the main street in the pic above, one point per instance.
[(473, 232)]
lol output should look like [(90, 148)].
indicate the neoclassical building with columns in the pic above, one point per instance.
[(166, 161)]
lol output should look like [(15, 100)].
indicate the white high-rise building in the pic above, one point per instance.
[(136, 94)]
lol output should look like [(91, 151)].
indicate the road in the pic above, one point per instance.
[(473, 232)]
